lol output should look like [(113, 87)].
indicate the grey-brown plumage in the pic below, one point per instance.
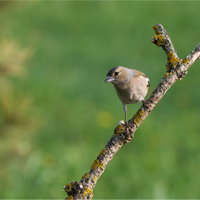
[(131, 85)]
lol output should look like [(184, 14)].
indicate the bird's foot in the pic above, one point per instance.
[(129, 126), (146, 103), (129, 132)]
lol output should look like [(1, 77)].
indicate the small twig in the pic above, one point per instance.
[(176, 69)]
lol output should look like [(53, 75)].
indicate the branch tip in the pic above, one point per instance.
[(197, 47)]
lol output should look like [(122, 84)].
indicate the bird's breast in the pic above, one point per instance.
[(132, 92)]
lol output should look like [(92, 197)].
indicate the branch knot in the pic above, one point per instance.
[(176, 64)]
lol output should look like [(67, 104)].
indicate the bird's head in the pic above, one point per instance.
[(118, 75)]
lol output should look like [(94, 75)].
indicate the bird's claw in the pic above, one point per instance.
[(129, 132), (146, 103), (129, 127)]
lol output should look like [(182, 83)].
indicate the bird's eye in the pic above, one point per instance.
[(116, 73)]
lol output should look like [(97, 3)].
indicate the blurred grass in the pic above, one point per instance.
[(73, 113)]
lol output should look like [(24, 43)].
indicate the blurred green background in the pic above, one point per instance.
[(56, 112)]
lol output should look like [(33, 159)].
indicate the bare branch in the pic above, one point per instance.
[(176, 69)]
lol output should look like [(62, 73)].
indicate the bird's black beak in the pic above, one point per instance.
[(109, 79)]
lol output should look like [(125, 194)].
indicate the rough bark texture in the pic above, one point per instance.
[(176, 69)]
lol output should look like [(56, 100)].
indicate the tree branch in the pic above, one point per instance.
[(176, 69)]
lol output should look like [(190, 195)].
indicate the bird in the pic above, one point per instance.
[(131, 86)]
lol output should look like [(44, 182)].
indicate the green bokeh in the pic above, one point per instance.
[(74, 44)]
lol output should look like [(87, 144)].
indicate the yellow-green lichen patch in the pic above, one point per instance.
[(87, 175), (155, 27), (103, 151), (95, 179), (167, 65), (119, 129), (167, 74), (186, 61), (172, 59), (84, 193), (97, 164), (138, 117), (160, 40), (87, 192), (69, 197), (68, 187)]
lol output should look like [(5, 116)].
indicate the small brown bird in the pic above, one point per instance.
[(131, 86)]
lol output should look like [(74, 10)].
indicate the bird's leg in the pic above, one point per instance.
[(146, 104), (129, 126)]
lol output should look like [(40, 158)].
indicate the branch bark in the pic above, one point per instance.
[(176, 69)]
